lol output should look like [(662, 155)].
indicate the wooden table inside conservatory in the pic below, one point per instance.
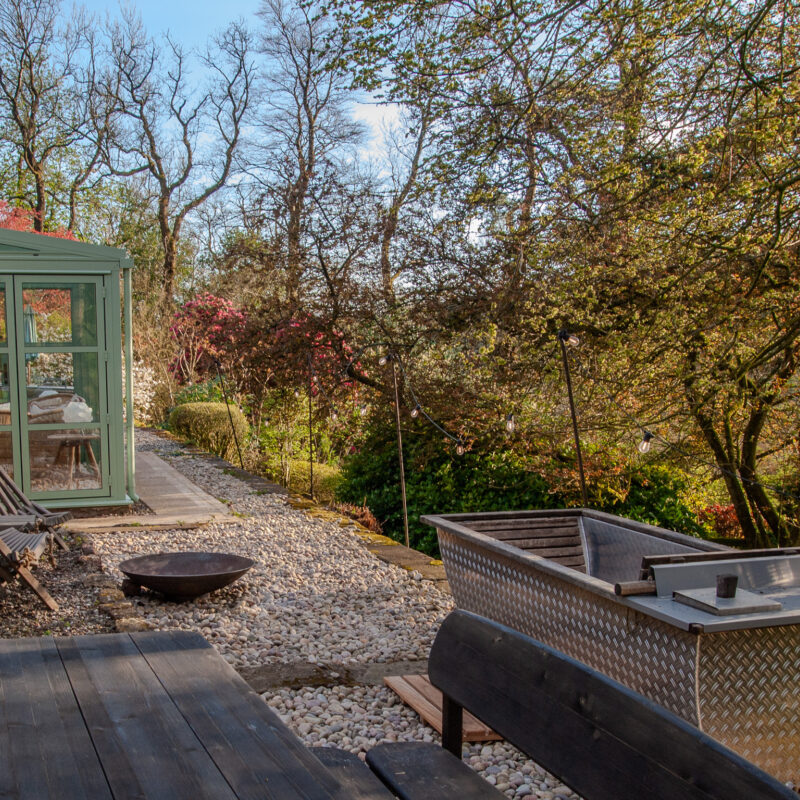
[(143, 715), (73, 442)]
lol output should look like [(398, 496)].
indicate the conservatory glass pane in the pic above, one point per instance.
[(64, 459), (59, 314), (63, 388)]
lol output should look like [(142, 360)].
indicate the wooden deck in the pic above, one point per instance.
[(418, 692), (144, 715)]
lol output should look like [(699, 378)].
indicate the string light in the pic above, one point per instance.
[(415, 411), (362, 409), (297, 393), (460, 449), (334, 414), (569, 338), (385, 359), (646, 443), (678, 449), (511, 423)]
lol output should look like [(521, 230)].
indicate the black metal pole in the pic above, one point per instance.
[(400, 451), (227, 405), (310, 431), (562, 338)]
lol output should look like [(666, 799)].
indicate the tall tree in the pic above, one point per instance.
[(302, 129), (52, 119), (635, 171), (163, 124)]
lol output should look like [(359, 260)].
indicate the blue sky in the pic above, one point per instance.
[(191, 22)]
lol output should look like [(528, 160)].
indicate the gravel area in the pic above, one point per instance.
[(71, 582), (357, 719)]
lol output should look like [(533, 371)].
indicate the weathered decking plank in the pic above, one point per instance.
[(45, 750), (417, 692), (263, 761), (146, 747)]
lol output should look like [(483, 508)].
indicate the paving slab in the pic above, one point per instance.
[(302, 673), (176, 502)]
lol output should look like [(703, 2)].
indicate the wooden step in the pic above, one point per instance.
[(418, 692)]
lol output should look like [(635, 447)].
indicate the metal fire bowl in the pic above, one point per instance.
[(184, 576)]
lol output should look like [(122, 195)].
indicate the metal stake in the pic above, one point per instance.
[(400, 450), (227, 405), (310, 430), (563, 336)]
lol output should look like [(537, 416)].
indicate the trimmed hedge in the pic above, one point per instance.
[(209, 426), (326, 477)]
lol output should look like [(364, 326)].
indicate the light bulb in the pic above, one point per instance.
[(460, 449), (334, 415), (415, 411), (383, 360), (511, 423), (362, 409), (297, 393), (569, 338), (646, 443)]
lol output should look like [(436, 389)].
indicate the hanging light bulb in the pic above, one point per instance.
[(511, 423), (415, 411), (569, 338), (334, 414), (646, 443), (297, 393), (460, 449), (385, 359), (362, 409)]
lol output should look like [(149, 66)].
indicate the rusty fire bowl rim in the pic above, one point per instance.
[(185, 575)]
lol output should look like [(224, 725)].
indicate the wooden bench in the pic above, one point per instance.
[(598, 737), (555, 538)]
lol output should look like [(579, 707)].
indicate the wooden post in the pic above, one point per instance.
[(452, 724)]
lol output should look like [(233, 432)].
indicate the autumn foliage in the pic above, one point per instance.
[(22, 219)]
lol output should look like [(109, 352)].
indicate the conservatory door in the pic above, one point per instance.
[(62, 393), (8, 400)]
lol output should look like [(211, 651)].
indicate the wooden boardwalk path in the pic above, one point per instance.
[(174, 499)]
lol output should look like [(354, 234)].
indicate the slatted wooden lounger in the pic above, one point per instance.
[(18, 552), (15, 503)]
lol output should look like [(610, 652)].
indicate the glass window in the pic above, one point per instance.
[(6, 453), (59, 314), (64, 459), (63, 388)]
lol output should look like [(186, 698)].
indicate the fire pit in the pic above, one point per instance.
[(184, 576)]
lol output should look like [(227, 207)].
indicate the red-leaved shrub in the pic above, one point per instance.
[(722, 519)]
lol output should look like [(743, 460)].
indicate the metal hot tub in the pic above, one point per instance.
[(732, 672)]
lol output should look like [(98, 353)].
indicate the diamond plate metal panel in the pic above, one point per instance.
[(741, 687), (750, 695), (647, 655)]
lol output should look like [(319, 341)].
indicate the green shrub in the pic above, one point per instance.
[(209, 391), (326, 477), (437, 481), (208, 425)]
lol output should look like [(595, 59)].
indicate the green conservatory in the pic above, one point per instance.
[(62, 427)]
